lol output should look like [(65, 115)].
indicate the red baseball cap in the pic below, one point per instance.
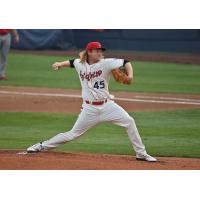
[(94, 45)]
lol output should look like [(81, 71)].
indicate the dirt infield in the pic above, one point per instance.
[(10, 160), (26, 99)]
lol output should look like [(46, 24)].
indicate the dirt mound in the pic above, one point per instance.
[(79, 161)]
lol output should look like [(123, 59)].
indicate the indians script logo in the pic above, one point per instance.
[(90, 75)]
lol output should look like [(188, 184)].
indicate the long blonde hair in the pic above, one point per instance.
[(83, 56)]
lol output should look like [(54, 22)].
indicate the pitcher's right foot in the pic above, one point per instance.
[(35, 148)]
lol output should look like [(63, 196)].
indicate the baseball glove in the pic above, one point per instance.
[(120, 75)]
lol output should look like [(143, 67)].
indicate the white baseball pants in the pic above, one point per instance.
[(5, 41), (92, 115)]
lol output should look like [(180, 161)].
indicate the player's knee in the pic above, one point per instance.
[(131, 121)]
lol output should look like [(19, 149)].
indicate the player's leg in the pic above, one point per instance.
[(117, 115), (1, 55), (5, 47), (87, 119)]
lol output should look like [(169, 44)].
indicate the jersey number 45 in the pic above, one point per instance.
[(99, 85)]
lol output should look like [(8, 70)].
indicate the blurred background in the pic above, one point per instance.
[(159, 40)]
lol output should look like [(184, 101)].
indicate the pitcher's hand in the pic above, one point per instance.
[(56, 66)]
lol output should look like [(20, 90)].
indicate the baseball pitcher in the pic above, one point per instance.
[(94, 72)]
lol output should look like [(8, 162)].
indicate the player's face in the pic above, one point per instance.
[(95, 54)]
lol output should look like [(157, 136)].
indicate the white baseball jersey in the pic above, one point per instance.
[(94, 78)]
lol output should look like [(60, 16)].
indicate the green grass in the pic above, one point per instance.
[(34, 70), (174, 133)]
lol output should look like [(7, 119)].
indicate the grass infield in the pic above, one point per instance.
[(173, 133)]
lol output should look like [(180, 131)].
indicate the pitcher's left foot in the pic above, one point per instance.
[(145, 157)]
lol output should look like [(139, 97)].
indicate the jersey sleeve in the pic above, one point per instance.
[(72, 63), (113, 63)]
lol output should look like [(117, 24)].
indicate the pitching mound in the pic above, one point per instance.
[(55, 160)]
